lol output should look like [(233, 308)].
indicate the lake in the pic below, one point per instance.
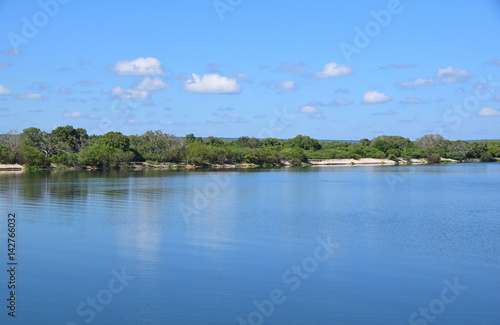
[(320, 245)]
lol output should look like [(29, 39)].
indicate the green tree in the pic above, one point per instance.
[(487, 157), (7, 156), (30, 156), (214, 141), (386, 142), (159, 146), (271, 142), (73, 139), (190, 138), (365, 142), (114, 140), (197, 153), (434, 159), (303, 142), (432, 140), (246, 142), (103, 155), (32, 136)]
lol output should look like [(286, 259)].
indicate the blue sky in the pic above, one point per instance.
[(328, 69)]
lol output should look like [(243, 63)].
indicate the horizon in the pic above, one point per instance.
[(334, 71)]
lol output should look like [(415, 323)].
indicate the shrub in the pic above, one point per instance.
[(393, 152), (29, 156), (434, 159), (392, 157), (6, 156), (487, 157)]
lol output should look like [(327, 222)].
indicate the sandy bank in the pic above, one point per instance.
[(11, 167), (362, 162)]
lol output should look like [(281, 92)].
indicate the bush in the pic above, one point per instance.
[(341, 154), (69, 159), (295, 162), (456, 156), (434, 159), (487, 157), (97, 155), (6, 156), (29, 156), (393, 152), (378, 154), (392, 157)]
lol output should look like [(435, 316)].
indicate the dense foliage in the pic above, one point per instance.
[(66, 146)]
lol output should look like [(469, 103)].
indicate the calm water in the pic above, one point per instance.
[(209, 247)]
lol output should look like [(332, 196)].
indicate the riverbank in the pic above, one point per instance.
[(311, 162), (12, 168)]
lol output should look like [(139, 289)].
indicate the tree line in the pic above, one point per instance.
[(67, 146)]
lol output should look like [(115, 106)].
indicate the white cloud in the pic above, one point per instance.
[(64, 91), (286, 85), (245, 77), (121, 93), (338, 101), (211, 84), (496, 98), (4, 90), (397, 66), (88, 82), (138, 67), (449, 75), (308, 109), (495, 63), (32, 96), (233, 117), (215, 125), (411, 100), (417, 83), (293, 68), (488, 111), (72, 115), (375, 97), (332, 69), (11, 51), (151, 84)]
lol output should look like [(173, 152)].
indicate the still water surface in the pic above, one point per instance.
[(251, 246)]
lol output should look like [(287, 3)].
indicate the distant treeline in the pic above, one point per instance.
[(67, 146)]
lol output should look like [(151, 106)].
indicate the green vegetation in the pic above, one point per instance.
[(70, 147)]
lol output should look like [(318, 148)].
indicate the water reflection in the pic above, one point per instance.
[(395, 245)]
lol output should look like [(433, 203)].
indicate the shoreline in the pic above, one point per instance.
[(361, 162)]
